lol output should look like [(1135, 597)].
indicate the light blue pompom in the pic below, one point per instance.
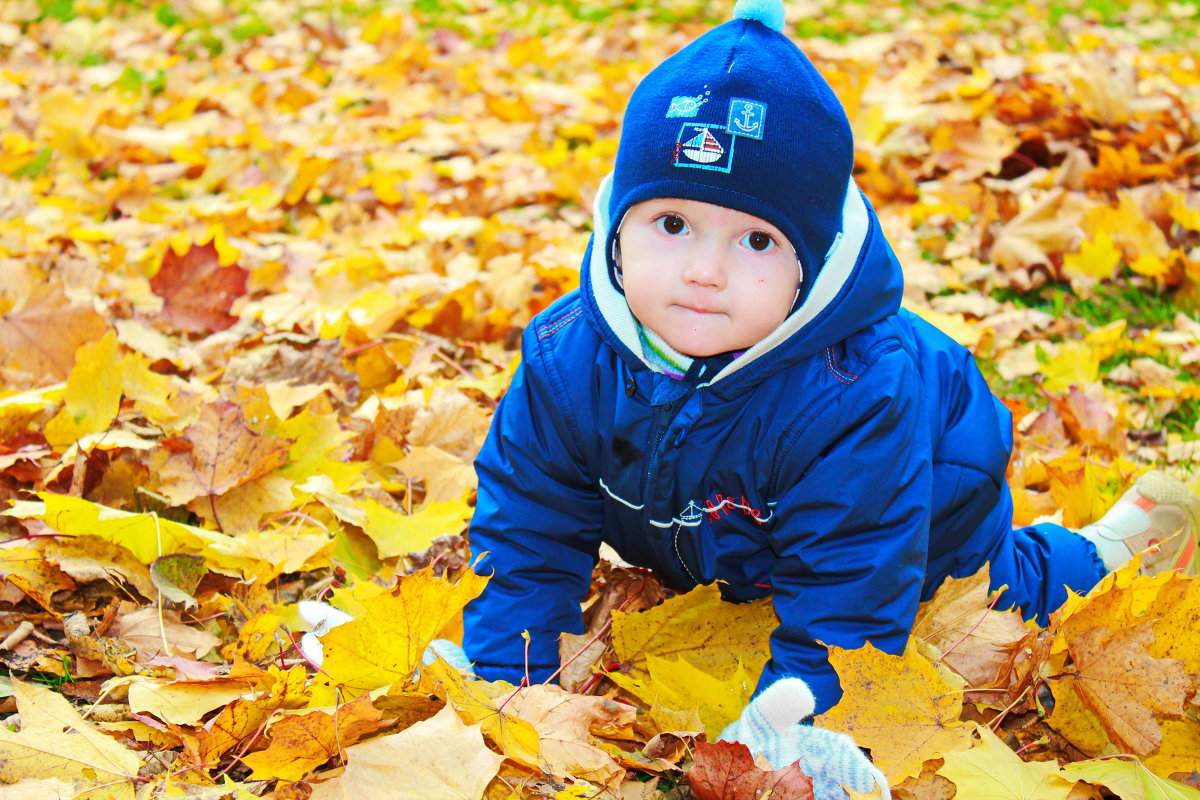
[(768, 12)]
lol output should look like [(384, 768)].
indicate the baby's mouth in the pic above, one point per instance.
[(697, 309)]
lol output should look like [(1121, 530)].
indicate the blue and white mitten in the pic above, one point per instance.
[(770, 726), (324, 618)]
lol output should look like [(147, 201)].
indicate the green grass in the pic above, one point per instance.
[(1140, 306)]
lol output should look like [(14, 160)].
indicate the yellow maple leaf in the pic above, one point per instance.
[(991, 769), (1150, 265), (899, 707), (1083, 488), (243, 717), (1074, 363), (1180, 748), (1182, 213), (93, 394), (1097, 257), (181, 702), (319, 447), (385, 644), (1129, 779), (145, 535), (397, 533), (302, 741), (678, 692), (716, 637), (1073, 720)]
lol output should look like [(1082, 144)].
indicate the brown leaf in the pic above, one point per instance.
[(197, 291), (726, 771), (225, 453), (1126, 687), (976, 642), (40, 334)]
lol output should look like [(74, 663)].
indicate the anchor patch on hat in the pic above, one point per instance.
[(703, 147), (746, 118)]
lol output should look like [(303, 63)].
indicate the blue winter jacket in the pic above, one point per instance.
[(844, 465)]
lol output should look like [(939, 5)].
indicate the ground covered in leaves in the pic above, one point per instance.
[(264, 266)]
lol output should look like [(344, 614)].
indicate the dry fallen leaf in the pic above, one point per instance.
[(726, 771), (55, 742), (223, 453), (898, 707), (40, 335), (197, 291), (992, 769), (439, 759)]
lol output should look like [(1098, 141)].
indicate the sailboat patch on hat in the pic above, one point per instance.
[(704, 147)]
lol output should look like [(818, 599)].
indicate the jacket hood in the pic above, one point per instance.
[(860, 284)]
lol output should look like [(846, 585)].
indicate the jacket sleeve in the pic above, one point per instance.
[(853, 526), (537, 518)]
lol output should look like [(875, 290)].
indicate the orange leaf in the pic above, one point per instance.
[(301, 743)]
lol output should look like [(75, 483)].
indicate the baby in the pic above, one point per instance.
[(733, 395)]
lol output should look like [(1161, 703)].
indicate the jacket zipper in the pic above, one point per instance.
[(662, 420)]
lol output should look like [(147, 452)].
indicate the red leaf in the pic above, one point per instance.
[(197, 291), (726, 771)]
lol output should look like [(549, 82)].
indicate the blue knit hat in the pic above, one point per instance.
[(740, 118)]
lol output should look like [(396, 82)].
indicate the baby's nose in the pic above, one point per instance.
[(706, 269)]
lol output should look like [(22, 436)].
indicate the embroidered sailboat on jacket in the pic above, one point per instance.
[(703, 147)]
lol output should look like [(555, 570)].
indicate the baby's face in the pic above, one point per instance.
[(706, 278)]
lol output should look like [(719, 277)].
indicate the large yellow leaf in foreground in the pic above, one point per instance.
[(385, 643), (897, 706), (1129, 780), (991, 769), (680, 695), (717, 637), (56, 742), (438, 759)]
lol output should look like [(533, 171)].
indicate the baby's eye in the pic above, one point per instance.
[(759, 240), (672, 224)]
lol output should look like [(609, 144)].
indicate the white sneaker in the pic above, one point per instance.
[(1158, 517)]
